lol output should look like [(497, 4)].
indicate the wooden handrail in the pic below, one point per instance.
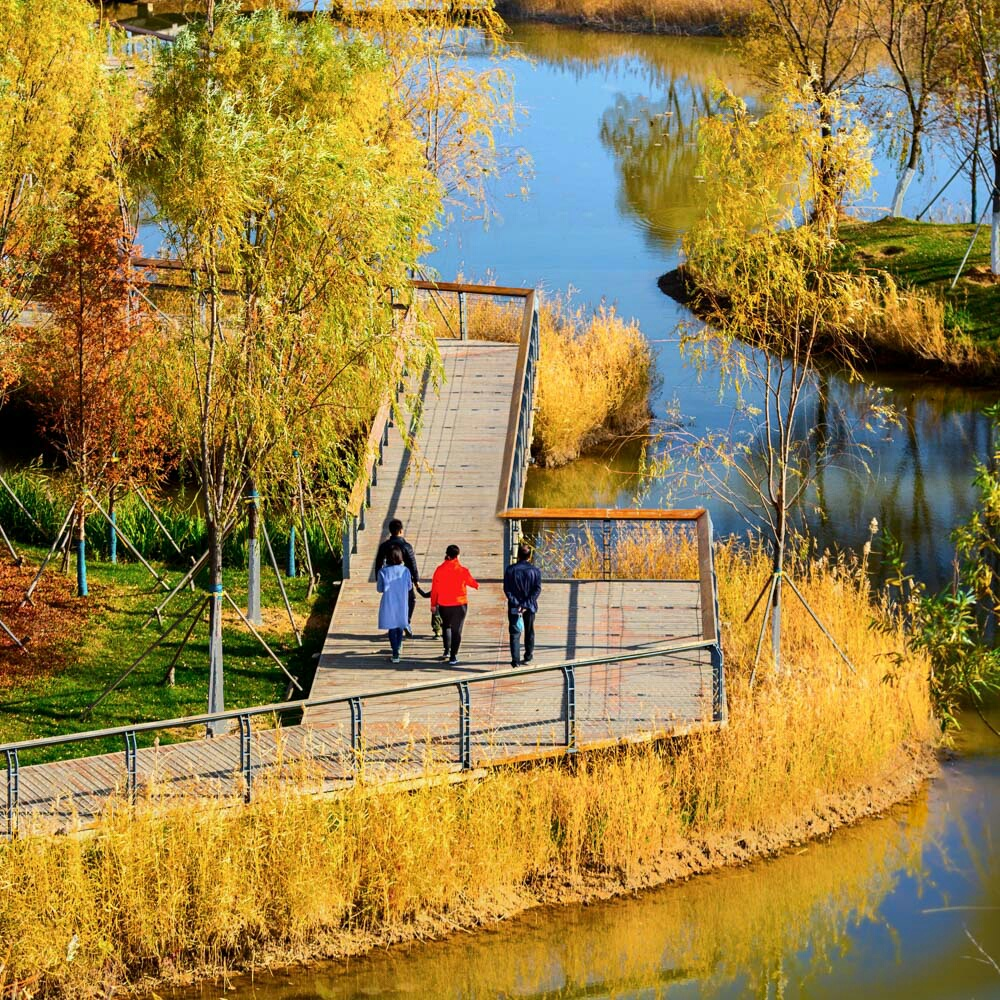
[(461, 286), (370, 453), (600, 514)]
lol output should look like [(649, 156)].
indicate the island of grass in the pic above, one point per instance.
[(916, 320), (923, 258)]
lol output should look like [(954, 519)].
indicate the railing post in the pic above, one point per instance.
[(711, 630), (718, 684), (569, 701), (464, 726), (463, 329), (345, 550), (355, 704), (131, 767), (606, 548), (354, 535), (245, 756), (13, 792)]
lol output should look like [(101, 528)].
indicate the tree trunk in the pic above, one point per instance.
[(777, 568), (81, 549), (253, 554), (112, 533), (995, 222), (216, 698), (906, 178), (776, 614)]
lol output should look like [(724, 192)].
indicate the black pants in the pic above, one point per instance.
[(452, 621), (412, 597), (515, 636)]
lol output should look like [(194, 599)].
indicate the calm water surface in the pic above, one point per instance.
[(609, 122), (896, 907)]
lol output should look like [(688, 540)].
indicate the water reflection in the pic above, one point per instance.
[(654, 142), (880, 910), (611, 126)]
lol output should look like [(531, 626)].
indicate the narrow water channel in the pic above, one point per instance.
[(907, 905), (609, 121)]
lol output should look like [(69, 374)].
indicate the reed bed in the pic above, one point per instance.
[(595, 369), (162, 893), (680, 17)]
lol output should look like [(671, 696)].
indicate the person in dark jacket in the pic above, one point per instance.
[(397, 541), (522, 584)]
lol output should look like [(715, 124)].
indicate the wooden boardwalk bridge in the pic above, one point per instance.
[(627, 634)]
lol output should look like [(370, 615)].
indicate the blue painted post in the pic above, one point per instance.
[(81, 567), (113, 534), (291, 551), (253, 557)]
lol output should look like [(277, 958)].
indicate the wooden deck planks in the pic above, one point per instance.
[(445, 492)]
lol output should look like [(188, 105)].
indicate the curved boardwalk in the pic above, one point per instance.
[(604, 640)]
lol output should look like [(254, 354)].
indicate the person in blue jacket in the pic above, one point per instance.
[(394, 583), (522, 583)]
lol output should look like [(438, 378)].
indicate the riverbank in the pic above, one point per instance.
[(916, 321), (168, 894), (658, 17)]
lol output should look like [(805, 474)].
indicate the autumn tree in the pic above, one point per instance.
[(773, 302), (295, 201), (445, 71), (89, 363), (50, 66), (981, 48), (818, 41), (920, 41)]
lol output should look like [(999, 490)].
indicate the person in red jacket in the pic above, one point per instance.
[(449, 598)]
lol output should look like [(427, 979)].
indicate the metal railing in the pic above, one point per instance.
[(576, 728), (670, 546), (617, 684)]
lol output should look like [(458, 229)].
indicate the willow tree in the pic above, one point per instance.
[(295, 201), (50, 65), (449, 87), (774, 303), (821, 42), (920, 41)]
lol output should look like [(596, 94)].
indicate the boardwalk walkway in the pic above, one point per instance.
[(616, 658)]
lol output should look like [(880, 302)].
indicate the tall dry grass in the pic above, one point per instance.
[(907, 322), (595, 369), (164, 893), (667, 16)]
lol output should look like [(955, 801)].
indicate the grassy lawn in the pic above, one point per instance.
[(927, 255), (78, 645)]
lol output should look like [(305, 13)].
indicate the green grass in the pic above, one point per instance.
[(926, 255), (71, 670)]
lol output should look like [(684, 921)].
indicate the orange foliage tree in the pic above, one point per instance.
[(91, 365)]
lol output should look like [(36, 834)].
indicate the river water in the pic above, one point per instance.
[(902, 906)]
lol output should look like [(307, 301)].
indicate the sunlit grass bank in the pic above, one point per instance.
[(677, 17), (168, 893), (926, 320)]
